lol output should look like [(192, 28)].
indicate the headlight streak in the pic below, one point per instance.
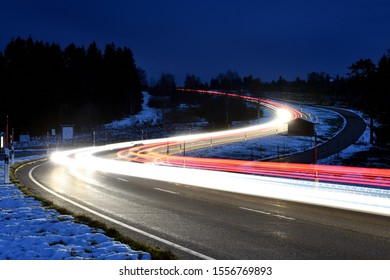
[(369, 200), (232, 175)]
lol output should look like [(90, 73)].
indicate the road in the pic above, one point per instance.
[(198, 223), (352, 131), (172, 152)]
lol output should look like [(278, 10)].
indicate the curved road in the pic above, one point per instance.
[(353, 129), (199, 224)]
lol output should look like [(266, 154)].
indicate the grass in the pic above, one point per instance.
[(156, 253)]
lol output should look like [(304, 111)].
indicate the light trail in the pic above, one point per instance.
[(332, 186), (163, 152), (344, 196)]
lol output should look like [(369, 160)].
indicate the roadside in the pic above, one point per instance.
[(32, 228), (351, 132), (68, 250), (29, 231)]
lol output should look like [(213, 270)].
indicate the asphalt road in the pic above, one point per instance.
[(197, 223), (353, 129)]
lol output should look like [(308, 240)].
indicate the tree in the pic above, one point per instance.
[(192, 82), (252, 84), (382, 85), (166, 86), (74, 85), (282, 84), (318, 84), (362, 68), (362, 75), (143, 78), (227, 81)]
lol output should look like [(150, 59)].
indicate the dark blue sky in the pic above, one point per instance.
[(266, 38)]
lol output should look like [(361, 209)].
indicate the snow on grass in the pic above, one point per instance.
[(147, 115), (363, 144), (328, 124), (28, 231)]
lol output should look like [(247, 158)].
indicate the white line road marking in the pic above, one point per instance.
[(167, 191), (284, 217), (162, 240), (253, 210), (121, 179), (267, 213)]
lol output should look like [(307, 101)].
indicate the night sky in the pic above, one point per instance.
[(265, 38)]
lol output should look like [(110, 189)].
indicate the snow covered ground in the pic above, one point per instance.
[(29, 231), (147, 115)]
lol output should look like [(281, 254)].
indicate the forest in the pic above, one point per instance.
[(44, 86), (366, 87)]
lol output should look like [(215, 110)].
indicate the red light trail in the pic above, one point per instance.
[(165, 152)]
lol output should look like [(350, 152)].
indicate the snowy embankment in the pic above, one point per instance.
[(28, 231), (147, 115)]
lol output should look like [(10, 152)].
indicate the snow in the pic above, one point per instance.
[(29, 231), (146, 116), (328, 124), (363, 144)]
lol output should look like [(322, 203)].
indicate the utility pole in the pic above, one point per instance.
[(227, 111), (6, 134), (6, 166), (315, 151), (47, 143), (12, 148), (6, 155)]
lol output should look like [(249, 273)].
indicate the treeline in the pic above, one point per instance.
[(366, 86), (44, 86), (319, 84), (219, 112), (369, 86)]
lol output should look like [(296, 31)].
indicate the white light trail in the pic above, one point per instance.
[(342, 196), (310, 192)]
